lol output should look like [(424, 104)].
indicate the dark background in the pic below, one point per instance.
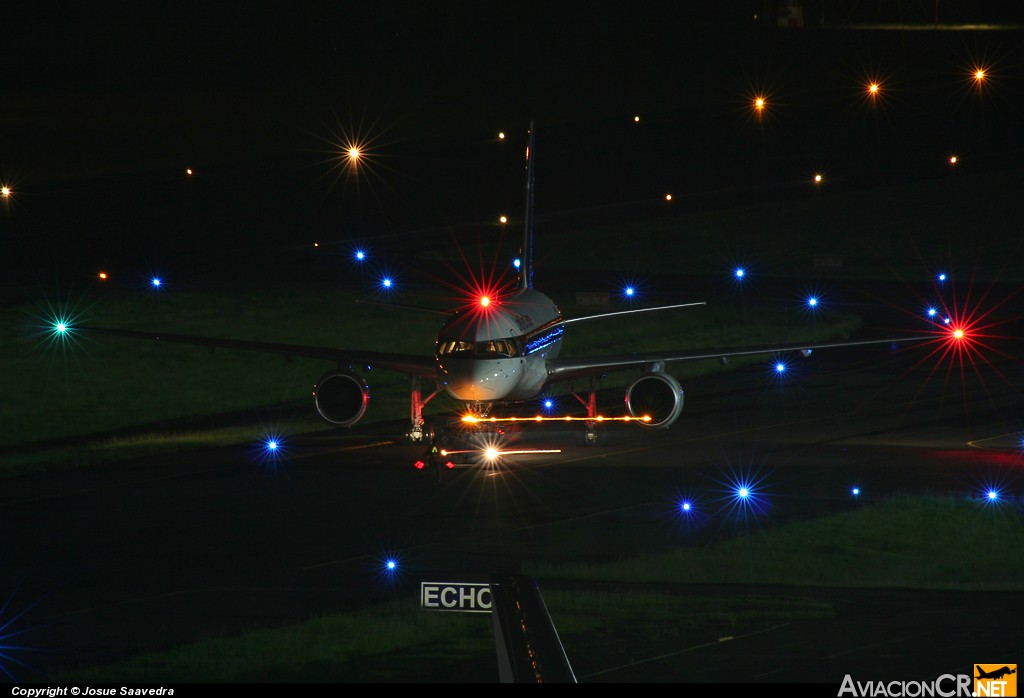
[(105, 106)]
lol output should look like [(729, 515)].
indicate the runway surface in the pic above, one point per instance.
[(103, 562)]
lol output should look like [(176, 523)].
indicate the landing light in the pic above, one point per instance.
[(473, 419)]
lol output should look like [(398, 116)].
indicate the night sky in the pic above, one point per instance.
[(105, 106)]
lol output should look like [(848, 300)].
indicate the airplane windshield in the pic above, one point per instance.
[(491, 349), (454, 347)]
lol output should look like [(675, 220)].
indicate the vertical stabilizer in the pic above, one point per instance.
[(526, 279)]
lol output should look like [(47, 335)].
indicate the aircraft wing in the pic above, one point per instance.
[(423, 366), (569, 368)]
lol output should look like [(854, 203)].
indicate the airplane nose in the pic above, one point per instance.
[(475, 381)]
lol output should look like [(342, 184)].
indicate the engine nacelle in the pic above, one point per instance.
[(657, 395), (341, 398)]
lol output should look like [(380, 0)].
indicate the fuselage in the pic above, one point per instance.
[(498, 351)]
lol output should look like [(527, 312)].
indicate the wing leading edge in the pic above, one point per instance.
[(422, 366), (562, 369)]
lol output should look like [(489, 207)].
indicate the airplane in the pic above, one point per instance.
[(503, 350), (995, 673)]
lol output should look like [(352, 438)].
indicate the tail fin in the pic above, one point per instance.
[(526, 280)]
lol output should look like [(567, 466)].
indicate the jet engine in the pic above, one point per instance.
[(341, 397), (657, 395)]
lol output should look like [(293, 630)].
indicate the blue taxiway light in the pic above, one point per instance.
[(932, 312), (742, 492), (780, 367), (549, 403), (360, 255), (386, 282), (942, 277), (855, 491), (739, 273), (391, 565), (156, 282), (629, 291), (517, 263), (812, 301)]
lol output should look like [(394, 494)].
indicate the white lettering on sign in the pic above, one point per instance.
[(464, 597)]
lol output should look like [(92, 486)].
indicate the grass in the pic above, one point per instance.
[(86, 399), (611, 615), (94, 389)]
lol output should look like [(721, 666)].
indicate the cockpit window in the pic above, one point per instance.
[(496, 349), (454, 347), (491, 349)]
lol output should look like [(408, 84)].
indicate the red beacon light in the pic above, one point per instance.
[(485, 301)]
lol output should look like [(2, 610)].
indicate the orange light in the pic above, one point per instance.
[(759, 103), (958, 334), (5, 192), (668, 197), (485, 301), (316, 244), (501, 135), (873, 88), (353, 153), (503, 219), (979, 74), (636, 119), (952, 159), (188, 171), (818, 179), (102, 276)]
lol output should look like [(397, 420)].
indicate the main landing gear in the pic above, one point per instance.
[(416, 405)]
